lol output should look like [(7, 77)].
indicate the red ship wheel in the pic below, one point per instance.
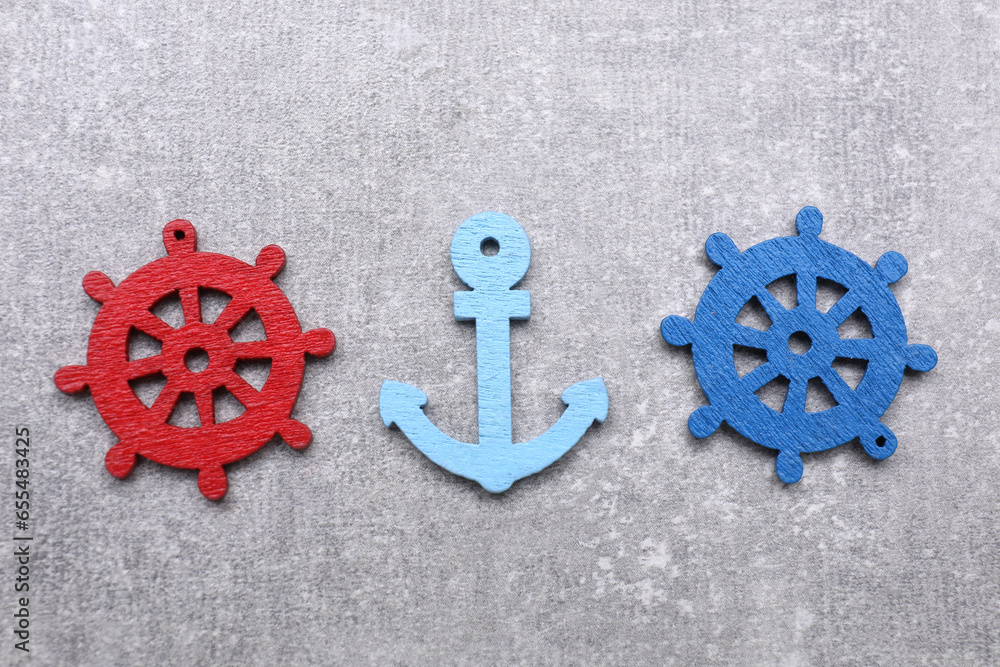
[(145, 430)]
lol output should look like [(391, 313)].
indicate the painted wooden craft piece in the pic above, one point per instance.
[(495, 462), (145, 431), (814, 335)]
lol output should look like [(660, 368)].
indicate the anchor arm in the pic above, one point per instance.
[(401, 404), (495, 468), (586, 403)]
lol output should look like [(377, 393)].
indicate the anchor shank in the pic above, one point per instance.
[(493, 311), (493, 379)]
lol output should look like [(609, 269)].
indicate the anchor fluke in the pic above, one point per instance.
[(591, 396), (397, 398)]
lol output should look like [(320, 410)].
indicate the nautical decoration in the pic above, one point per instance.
[(802, 344), (196, 358), (495, 461)]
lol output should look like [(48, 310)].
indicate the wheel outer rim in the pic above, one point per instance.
[(206, 446), (755, 268)]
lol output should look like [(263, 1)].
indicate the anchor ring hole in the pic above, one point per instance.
[(196, 359), (179, 234), (489, 247), (799, 342), (880, 441)]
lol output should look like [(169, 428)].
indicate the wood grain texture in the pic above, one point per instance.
[(801, 345), (145, 431)]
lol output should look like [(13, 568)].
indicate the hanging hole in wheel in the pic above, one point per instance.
[(489, 247), (179, 235)]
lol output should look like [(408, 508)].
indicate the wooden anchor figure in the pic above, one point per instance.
[(496, 461)]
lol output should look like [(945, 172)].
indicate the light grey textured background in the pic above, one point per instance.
[(620, 135)]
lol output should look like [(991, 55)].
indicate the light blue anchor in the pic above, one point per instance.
[(495, 462)]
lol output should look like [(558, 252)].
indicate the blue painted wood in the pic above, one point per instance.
[(495, 461), (793, 431)]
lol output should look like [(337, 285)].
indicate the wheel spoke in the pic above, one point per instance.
[(151, 325), (795, 399), (759, 376), (841, 391), (256, 349), (190, 304), (857, 348), (143, 367), (772, 306), (805, 289), (232, 313), (841, 310), (206, 406), (242, 390), (749, 337), (164, 404)]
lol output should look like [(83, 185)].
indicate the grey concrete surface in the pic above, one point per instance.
[(620, 135)]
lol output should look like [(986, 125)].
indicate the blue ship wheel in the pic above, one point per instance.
[(714, 332)]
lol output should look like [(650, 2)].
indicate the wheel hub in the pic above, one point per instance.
[(179, 347), (787, 350)]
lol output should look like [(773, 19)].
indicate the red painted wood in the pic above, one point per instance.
[(144, 431)]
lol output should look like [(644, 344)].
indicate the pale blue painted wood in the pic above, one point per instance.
[(714, 332), (495, 461)]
